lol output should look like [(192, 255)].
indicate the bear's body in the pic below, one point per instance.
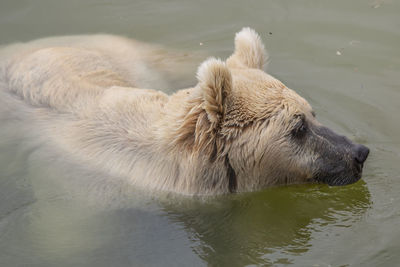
[(223, 135)]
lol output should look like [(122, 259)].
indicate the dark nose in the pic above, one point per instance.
[(361, 153)]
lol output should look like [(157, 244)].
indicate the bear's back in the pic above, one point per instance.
[(62, 78)]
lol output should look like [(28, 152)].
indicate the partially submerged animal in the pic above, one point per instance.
[(238, 129)]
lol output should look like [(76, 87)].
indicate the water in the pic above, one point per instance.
[(342, 56)]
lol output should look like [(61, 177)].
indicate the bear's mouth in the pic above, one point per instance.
[(340, 179)]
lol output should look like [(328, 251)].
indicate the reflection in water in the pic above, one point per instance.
[(266, 227)]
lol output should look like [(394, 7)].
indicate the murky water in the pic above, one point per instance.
[(343, 56)]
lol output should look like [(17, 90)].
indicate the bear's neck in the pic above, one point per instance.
[(195, 159)]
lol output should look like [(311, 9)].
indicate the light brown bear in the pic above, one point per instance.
[(239, 129)]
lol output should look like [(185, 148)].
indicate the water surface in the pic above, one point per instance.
[(342, 56)]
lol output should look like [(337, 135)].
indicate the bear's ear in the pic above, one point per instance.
[(215, 81), (249, 50)]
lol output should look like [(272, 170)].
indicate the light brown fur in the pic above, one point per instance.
[(85, 97)]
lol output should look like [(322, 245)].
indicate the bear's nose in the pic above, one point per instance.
[(361, 153)]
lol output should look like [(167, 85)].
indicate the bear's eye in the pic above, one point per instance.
[(300, 129)]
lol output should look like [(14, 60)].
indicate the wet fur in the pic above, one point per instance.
[(229, 133)]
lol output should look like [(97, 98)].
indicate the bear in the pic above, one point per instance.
[(238, 129)]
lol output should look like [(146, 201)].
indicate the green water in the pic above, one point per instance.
[(342, 56)]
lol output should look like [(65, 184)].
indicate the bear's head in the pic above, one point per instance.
[(267, 133)]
